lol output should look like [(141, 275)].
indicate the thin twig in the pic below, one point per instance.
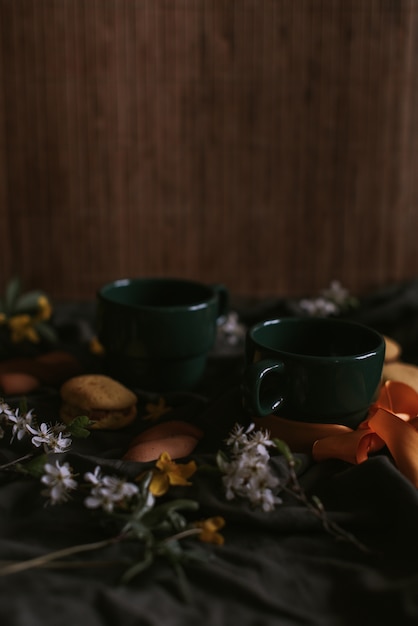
[(16, 461), (319, 512), (41, 561), (181, 535), (71, 564)]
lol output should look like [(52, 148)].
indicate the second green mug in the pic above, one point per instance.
[(312, 369), (157, 332)]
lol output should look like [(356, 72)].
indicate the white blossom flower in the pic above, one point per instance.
[(5, 409), (231, 329), (238, 436), (336, 293), (5, 413), (260, 441), (330, 301), (318, 307), (94, 477), (108, 491), (59, 480), (51, 437), (248, 473), (20, 423)]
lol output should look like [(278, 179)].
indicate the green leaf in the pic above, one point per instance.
[(284, 449), (144, 505), (11, 294), (138, 568), (138, 530), (164, 512), (183, 583), (36, 466), (23, 405), (78, 427), (196, 555), (222, 461), (212, 469), (46, 332), (27, 302)]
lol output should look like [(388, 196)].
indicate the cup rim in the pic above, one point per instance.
[(200, 303), (314, 321)]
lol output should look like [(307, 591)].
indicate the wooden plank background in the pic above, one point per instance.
[(268, 144)]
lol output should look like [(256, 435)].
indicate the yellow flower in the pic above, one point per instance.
[(168, 473), (96, 347), (155, 411), (21, 328), (210, 527), (44, 309)]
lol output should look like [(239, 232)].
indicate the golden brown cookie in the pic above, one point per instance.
[(401, 372), (108, 403), (393, 350)]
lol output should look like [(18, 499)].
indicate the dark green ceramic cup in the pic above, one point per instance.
[(312, 369), (157, 332)]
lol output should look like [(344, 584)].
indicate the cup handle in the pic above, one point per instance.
[(262, 387), (222, 294)]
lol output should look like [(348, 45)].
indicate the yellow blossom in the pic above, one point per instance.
[(21, 328), (44, 309), (210, 527), (96, 347), (168, 473), (155, 411)]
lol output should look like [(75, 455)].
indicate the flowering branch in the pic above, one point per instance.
[(41, 561), (157, 526), (314, 505), (24, 317), (247, 474)]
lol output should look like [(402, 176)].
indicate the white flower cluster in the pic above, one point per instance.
[(58, 478), (231, 329), (247, 473), (5, 413), (59, 481), (331, 301), (108, 491), (318, 307), (53, 438)]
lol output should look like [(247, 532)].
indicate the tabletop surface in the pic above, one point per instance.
[(278, 567)]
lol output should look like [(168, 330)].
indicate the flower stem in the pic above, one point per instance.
[(16, 461), (40, 561), (184, 533), (319, 512)]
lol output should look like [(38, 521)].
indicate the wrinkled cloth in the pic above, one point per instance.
[(279, 568)]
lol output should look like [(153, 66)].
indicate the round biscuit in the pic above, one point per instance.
[(97, 391), (393, 349), (401, 372)]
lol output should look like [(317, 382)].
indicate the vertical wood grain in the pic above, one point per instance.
[(267, 144)]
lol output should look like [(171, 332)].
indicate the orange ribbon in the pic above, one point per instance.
[(392, 421)]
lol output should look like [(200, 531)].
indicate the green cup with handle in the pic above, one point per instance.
[(324, 370)]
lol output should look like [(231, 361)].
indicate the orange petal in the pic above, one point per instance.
[(398, 397), (299, 436), (352, 447), (401, 439)]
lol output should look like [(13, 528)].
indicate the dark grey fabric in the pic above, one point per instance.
[(275, 569)]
